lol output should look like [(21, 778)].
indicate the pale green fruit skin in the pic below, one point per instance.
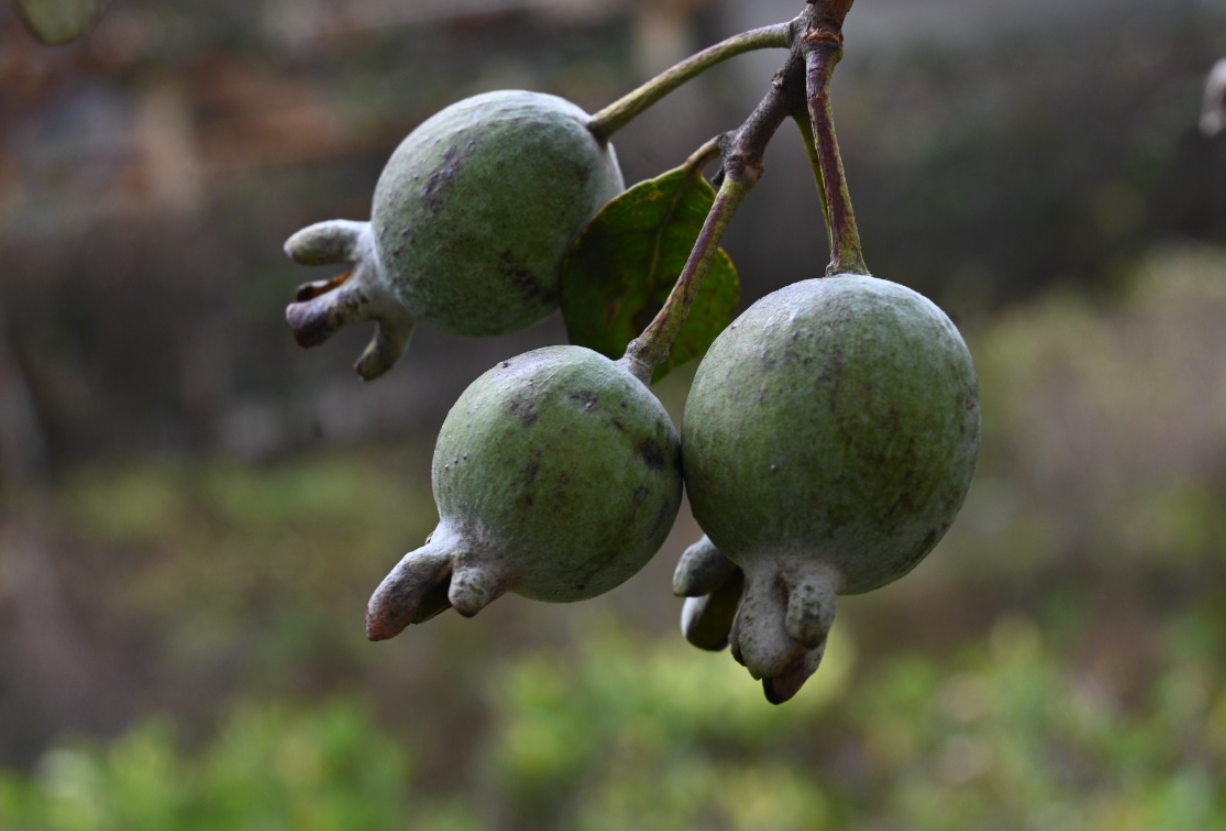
[(560, 470), (835, 421), (476, 208)]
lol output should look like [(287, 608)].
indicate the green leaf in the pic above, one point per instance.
[(55, 22), (623, 265)]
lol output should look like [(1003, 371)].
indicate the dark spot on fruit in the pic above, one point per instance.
[(652, 455), (617, 425), (523, 282), (564, 479), (506, 364), (525, 414), (640, 493), (904, 505), (530, 471), (452, 162), (580, 586)]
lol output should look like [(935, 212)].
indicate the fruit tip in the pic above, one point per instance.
[(784, 686), (376, 632)]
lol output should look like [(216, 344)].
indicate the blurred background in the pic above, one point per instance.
[(193, 512)]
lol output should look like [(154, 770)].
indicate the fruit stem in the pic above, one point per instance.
[(742, 150), (621, 112), (823, 48)]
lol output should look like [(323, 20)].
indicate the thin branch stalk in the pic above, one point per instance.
[(823, 48), (621, 112)]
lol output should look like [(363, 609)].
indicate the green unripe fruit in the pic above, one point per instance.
[(476, 209), (557, 476), (471, 220), (830, 438)]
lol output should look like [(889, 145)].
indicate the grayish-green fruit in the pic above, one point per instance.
[(557, 476), (471, 220), (830, 437)]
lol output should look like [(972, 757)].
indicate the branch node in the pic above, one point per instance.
[(820, 35)]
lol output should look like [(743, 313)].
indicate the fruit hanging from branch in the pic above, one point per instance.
[(474, 214), (557, 476), (830, 438), (830, 434), (471, 219)]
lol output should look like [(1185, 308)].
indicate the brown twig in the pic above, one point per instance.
[(828, 15), (822, 45)]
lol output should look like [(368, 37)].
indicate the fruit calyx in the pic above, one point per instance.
[(449, 571), (324, 307), (776, 618)]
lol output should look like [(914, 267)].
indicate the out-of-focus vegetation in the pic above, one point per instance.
[(193, 512), (635, 732), (268, 767)]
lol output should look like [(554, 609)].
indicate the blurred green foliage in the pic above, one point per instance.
[(267, 565), (634, 733), (1011, 734), (1007, 733), (268, 767), (1105, 425)]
